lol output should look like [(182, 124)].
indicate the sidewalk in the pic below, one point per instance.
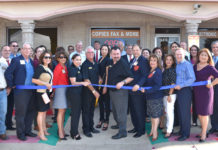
[(103, 141)]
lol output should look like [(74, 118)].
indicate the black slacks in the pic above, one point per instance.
[(137, 112), (104, 106), (25, 110), (76, 101), (88, 107)]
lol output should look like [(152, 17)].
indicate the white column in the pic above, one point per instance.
[(27, 27), (192, 27)]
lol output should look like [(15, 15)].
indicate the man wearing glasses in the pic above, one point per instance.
[(14, 49), (20, 72)]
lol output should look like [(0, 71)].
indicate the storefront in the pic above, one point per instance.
[(145, 22)]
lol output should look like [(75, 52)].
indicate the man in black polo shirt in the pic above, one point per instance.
[(119, 74), (90, 74)]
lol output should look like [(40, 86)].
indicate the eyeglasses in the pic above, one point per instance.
[(47, 57), (61, 57), (14, 45)]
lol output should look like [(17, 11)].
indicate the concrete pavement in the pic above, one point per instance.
[(103, 141)]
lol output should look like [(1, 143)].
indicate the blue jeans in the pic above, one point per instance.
[(3, 111)]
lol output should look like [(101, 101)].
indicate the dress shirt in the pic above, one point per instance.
[(187, 54), (123, 53), (2, 78), (29, 73), (13, 56), (82, 54), (4, 63), (185, 74), (99, 54), (118, 72), (215, 59)]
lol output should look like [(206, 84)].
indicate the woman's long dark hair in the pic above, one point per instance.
[(174, 60)]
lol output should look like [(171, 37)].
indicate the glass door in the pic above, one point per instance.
[(164, 41)]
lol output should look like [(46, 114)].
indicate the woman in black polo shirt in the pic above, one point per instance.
[(75, 96)]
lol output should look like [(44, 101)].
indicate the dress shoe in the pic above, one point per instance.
[(202, 141), (177, 134), (88, 134), (31, 134), (137, 135), (211, 131), (11, 128), (166, 137), (132, 131), (115, 127), (119, 136), (77, 137), (194, 124), (182, 138), (22, 138), (95, 131), (3, 137)]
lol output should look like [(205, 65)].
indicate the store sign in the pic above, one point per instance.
[(113, 36), (208, 34), (193, 40), (115, 33)]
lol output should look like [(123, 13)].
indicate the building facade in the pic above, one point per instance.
[(149, 23)]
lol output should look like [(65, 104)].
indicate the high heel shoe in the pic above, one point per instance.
[(105, 127), (154, 139), (43, 138), (199, 136), (63, 139), (99, 125), (150, 134), (65, 135), (46, 133), (77, 137)]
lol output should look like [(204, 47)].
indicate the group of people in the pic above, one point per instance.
[(105, 65)]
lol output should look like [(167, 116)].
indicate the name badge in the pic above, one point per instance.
[(22, 62), (78, 71), (90, 67), (63, 71)]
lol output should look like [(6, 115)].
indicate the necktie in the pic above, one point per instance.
[(8, 62), (130, 57), (96, 56)]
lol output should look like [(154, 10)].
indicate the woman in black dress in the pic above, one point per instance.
[(43, 76), (104, 100), (75, 94)]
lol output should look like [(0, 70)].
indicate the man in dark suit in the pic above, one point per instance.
[(129, 56), (214, 116), (140, 69), (20, 72)]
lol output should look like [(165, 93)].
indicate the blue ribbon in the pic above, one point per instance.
[(30, 87)]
